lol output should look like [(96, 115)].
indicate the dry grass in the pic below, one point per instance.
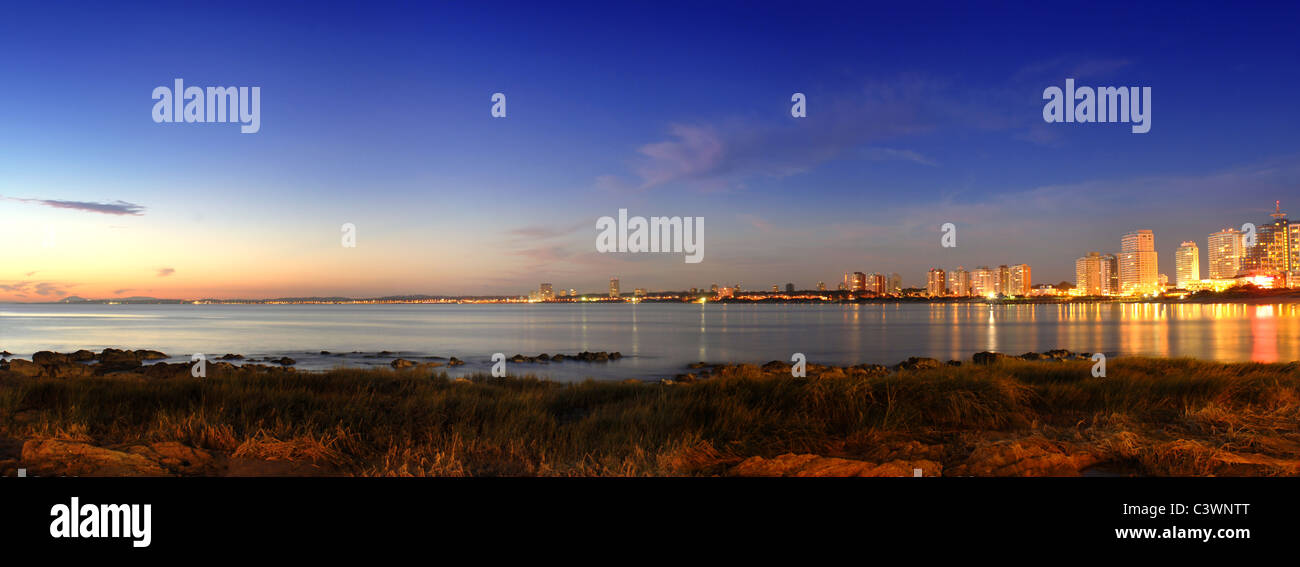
[(1158, 416)]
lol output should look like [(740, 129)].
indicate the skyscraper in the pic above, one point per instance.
[(859, 282), (1021, 280), (959, 282), (1272, 254), (936, 283), (545, 292), (984, 281), (1224, 254), (876, 283), (895, 283), (1088, 274), (1138, 265), (1004, 280), (1109, 274), (613, 287), (1187, 264)]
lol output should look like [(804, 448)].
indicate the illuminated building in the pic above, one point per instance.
[(895, 283), (1187, 264), (613, 288), (984, 282), (1224, 250), (545, 292), (936, 283), (959, 282), (1139, 271), (1021, 280), (1087, 274)]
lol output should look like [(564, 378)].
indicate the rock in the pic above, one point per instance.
[(67, 370), (82, 355), (987, 357), (954, 363), (402, 363), (544, 357), (615, 355), (325, 353), (1059, 354), (558, 358), (167, 370), (52, 457), (177, 457), (919, 363), (697, 365), (1034, 356), (231, 357), (453, 361), (286, 361), (47, 357), (775, 366), (25, 367), (149, 355), (1026, 457), (791, 464)]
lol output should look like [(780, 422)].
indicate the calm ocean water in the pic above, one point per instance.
[(657, 340)]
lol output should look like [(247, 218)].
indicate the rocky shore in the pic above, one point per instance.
[(124, 413)]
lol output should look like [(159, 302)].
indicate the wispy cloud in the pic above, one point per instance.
[(112, 208), (164, 272)]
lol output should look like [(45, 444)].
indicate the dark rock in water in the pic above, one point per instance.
[(386, 353), (615, 355), (6, 353), (1034, 356), (47, 357), (150, 355), (987, 357), (453, 361), (113, 360), (402, 363), (919, 363), (775, 365), (82, 355), (1059, 354), (287, 361), (232, 357), (559, 358), (954, 363), (325, 353), (544, 357), (697, 365), (871, 369)]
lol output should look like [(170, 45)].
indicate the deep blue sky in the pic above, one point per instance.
[(378, 115)]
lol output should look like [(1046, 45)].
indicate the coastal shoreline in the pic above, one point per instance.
[(992, 415)]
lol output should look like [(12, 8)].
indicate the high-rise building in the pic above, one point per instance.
[(1138, 265), (859, 282), (1021, 280), (876, 283), (895, 283), (1224, 251), (821, 286), (545, 292), (613, 287), (789, 288), (959, 282), (1109, 274), (1272, 254), (1187, 264), (1004, 280), (984, 281), (1088, 277), (776, 288), (936, 283)]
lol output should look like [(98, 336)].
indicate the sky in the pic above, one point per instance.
[(379, 115)]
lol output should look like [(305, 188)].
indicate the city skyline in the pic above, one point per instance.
[(386, 127)]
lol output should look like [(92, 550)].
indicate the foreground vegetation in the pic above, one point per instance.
[(1011, 418)]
